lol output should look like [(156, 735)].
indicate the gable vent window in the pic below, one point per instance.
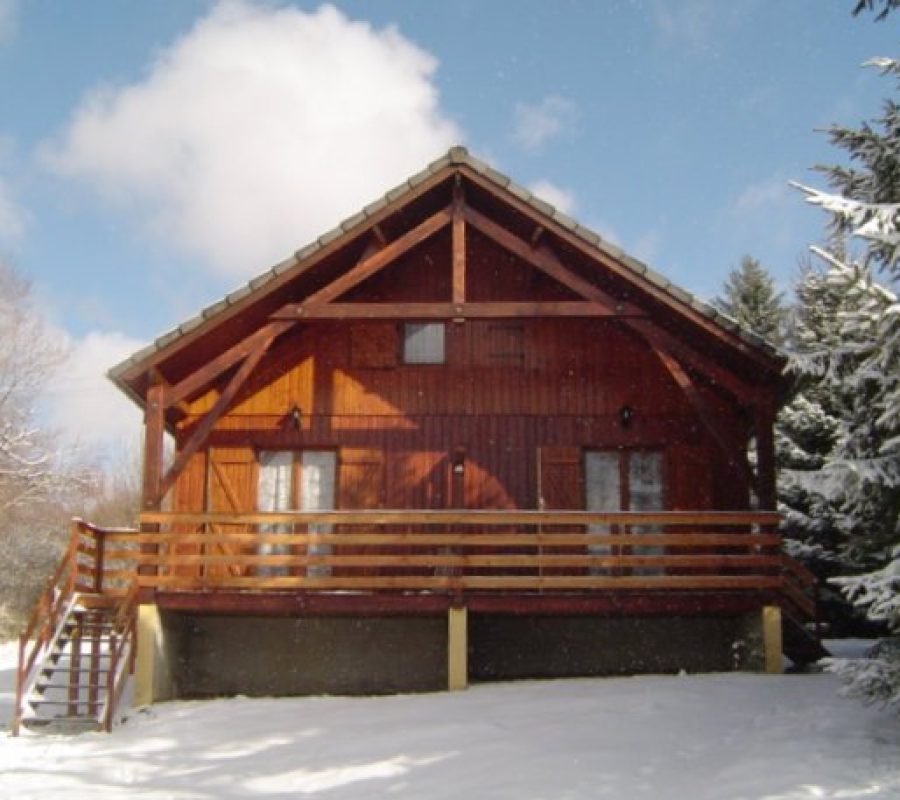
[(423, 343)]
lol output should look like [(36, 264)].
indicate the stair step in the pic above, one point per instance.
[(35, 703), (62, 725), (43, 687), (79, 671), (91, 628)]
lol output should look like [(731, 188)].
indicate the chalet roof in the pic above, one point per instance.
[(456, 156)]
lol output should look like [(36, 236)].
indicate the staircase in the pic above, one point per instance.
[(800, 645), (799, 602), (74, 684), (77, 650)]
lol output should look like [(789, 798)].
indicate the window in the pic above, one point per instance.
[(626, 480), (423, 343), (296, 481), (502, 344)]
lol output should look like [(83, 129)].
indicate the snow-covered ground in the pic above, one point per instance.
[(722, 737)]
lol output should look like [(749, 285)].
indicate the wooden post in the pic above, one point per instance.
[(765, 456), (457, 648), (154, 428), (772, 644), (150, 674), (459, 244)]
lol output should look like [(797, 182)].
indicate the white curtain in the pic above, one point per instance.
[(603, 493), (274, 494), (317, 489), (645, 481)]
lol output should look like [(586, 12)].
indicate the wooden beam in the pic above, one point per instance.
[(770, 364), (541, 258), (368, 266), (459, 243), (225, 399), (482, 310), (154, 427), (706, 415), (743, 392), (135, 371), (224, 361)]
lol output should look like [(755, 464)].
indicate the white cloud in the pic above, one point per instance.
[(537, 124), (697, 25), (647, 247), (12, 218), (768, 213), (764, 195), (9, 22), (258, 130), (83, 404), (563, 199)]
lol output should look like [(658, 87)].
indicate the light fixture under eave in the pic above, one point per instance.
[(626, 416), (295, 415)]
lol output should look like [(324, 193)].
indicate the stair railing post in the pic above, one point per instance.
[(72, 555), (20, 685), (96, 656), (111, 681), (75, 667), (100, 546)]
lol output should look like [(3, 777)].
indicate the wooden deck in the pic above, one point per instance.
[(456, 555)]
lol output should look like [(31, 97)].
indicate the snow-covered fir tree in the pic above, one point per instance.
[(863, 368)]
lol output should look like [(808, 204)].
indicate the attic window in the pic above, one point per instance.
[(423, 343)]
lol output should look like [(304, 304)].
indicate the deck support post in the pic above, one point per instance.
[(457, 648), (152, 680), (772, 643)]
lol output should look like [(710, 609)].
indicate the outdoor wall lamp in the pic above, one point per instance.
[(626, 416)]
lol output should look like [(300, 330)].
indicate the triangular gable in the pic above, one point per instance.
[(454, 197)]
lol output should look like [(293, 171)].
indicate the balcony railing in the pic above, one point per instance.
[(455, 552)]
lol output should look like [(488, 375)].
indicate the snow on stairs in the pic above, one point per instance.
[(71, 689)]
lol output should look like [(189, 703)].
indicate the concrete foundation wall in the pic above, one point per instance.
[(504, 647), (261, 656), (220, 655)]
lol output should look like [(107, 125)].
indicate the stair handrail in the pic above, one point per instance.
[(122, 653), (46, 623), (802, 587)]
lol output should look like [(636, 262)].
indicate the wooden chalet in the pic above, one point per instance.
[(459, 437)]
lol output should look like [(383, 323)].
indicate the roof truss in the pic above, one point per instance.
[(678, 357)]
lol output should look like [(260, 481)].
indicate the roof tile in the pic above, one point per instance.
[(564, 220), (588, 235), (306, 251), (456, 155), (351, 222), (397, 192), (330, 236), (376, 206)]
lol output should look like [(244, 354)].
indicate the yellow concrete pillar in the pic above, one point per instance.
[(150, 673), (457, 648), (772, 644)]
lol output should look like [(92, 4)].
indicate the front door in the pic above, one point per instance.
[(302, 481)]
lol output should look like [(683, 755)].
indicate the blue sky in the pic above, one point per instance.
[(155, 155)]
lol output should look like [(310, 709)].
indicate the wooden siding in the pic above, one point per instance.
[(508, 389)]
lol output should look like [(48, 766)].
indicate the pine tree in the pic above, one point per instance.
[(868, 200), (750, 299), (861, 367)]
